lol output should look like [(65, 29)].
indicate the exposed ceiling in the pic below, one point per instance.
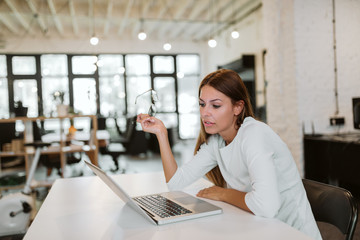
[(195, 20)]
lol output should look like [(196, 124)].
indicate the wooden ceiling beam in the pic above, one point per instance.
[(55, 17), (37, 16), (74, 22), (18, 16)]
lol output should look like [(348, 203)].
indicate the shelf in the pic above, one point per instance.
[(43, 118), (12, 154), (61, 148)]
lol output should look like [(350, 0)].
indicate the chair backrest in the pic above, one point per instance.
[(7, 132), (333, 205)]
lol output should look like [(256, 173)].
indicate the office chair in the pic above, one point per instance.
[(8, 133), (114, 149), (333, 205)]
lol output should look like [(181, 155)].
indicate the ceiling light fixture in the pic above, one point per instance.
[(167, 46), (212, 42), (142, 35), (235, 34), (94, 40)]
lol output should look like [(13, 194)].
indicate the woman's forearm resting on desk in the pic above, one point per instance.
[(231, 196)]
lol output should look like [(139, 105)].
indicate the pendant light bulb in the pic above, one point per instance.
[(142, 35), (167, 46), (212, 43), (235, 34), (94, 41)]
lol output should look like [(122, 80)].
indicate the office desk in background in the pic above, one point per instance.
[(85, 208), (334, 159)]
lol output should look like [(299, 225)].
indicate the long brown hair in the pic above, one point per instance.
[(229, 83)]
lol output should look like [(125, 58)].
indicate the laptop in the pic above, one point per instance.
[(163, 208)]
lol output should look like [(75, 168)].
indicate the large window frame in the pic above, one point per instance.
[(37, 76)]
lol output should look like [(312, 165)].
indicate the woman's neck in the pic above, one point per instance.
[(229, 136)]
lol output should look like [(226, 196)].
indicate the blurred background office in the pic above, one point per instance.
[(299, 58)]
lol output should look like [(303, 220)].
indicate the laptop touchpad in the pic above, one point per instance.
[(196, 204), (188, 200)]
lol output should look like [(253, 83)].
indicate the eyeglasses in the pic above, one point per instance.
[(154, 99)]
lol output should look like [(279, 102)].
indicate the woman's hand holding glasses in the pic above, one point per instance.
[(148, 122), (151, 124)]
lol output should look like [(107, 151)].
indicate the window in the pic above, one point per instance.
[(137, 81), (24, 65), (188, 67), (54, 73), (137, 64), (54, 65), (104, 84), (136, 86), (188, 64), (163, 64), (84, 95), (4, 97), (111, 83), (26, 92), (84, 64), (165, 88), (3, 67)]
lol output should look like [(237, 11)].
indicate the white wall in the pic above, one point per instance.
[(298, 38), (348, 56), (315, 61), (249, 42), (298, 35), (282, 99)]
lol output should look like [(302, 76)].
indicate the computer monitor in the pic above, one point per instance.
[(356, 112)]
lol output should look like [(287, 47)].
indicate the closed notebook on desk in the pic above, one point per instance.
[(161, 208)]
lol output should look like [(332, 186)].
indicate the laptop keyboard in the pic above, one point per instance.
[(161, 206)]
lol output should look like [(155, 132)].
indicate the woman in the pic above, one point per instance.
[(251, 167)]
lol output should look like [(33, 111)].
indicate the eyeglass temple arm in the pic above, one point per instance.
[(142, 94)]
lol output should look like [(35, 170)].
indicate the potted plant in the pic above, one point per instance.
[(61, 108), (20, 110)]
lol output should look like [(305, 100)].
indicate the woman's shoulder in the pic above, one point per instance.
[(213, 141), (252, 129), (251, 124)]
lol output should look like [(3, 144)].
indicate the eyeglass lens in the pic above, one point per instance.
[(154, 98), (152, 110)]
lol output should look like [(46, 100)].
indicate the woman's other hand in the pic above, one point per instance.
[(151, 124), (214, 193), (232, 196)]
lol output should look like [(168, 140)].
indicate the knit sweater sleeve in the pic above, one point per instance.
[(264, 197), (202, 162)]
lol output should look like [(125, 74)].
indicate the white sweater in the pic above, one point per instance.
[(259, 163)]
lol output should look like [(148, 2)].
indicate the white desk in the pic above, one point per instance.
[(85, 208)]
